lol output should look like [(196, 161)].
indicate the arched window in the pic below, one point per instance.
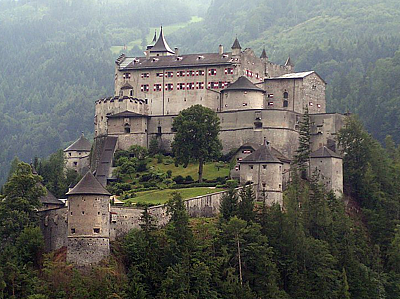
[(285, 103), (285, 95)]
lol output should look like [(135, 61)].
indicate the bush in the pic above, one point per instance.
[(181, 186), (154, 147), (141, 166), (178, 179), (221, 180), (169, 174), (146, 177), (146, 204), (149, 184), (231, 183), (160, 158), (189, 179), (168, 161)]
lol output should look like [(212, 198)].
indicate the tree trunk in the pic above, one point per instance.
[(240, 261), (201, 170)]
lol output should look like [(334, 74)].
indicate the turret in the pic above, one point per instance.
[(264, 55), (77, 154), (88, 222), (161, 47), (236, 48)]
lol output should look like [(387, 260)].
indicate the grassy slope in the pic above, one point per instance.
[(161, 196), (210, 171)]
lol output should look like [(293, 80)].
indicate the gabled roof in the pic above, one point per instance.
[(88, 185), (172, 61), (126, 114), (243, 84), (161, 44), (127, 86), (262, 154), (324, 152), (82, 144), (236, 44), (263, 54)]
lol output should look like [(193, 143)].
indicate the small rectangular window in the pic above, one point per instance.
[(229, 71), (212, 72), (170, 74), (180, 86), (318, 105), (264, 166), (126, 76), (72, 230), (157, 87), (96, 230), (251, 166), (270, 103), (144, 88), (310, 104), (169, 86), (180, 74), (191, 73), (145, 75), (200, 72), (190, 85), (160, 75), (200, 85)]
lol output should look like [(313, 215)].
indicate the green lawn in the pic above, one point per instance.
[(161, 196), (167, 30), (210, 171)]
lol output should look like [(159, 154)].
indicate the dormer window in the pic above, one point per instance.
[(225, 56), (155, 59), (179, 58), (200, 57), (135, 60)]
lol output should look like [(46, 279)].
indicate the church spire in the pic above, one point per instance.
[(236, 44)]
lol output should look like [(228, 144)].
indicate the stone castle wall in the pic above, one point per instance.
[(54, 226), (87, 251)]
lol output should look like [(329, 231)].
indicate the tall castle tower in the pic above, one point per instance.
[(88, 222)]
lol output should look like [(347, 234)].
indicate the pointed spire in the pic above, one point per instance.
[(155, 37), (236, 44), (161, 44), (264, 54), (289, 62)]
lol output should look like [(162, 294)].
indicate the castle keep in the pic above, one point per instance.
[(260, 105)]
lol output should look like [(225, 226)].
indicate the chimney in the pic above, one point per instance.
[(147, 52), (176, 51), (221, 49)]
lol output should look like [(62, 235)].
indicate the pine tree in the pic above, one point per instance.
[(229, 203), (246, 204), (302, 156)]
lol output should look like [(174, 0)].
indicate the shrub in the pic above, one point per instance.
[(221, 180), (149, 184), (169, 174), (189, 179), (146, 177), (154, 147), (160, 158), (141, 166), (178, 179)]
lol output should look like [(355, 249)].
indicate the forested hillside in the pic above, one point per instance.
[(343, 40), (56, 60), (56, 57)]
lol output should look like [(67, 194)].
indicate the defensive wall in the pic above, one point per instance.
[(54, 223)]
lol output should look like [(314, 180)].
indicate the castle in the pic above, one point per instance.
[(260, 105)]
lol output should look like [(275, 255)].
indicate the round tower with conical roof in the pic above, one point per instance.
[(77, 154), (88, 222)]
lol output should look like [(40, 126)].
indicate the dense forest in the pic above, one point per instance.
[(314, 246), (56, 57)]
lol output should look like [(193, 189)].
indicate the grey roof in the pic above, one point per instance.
[(49, 198), (289, 62), (324, 152), (103, 167), (88, 185), (127, 86), (243, 84), (236, 44), (263, 54), (262, 155), (172, 61), (161, 44), (126, 114), (281, 157), (82, 144)]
